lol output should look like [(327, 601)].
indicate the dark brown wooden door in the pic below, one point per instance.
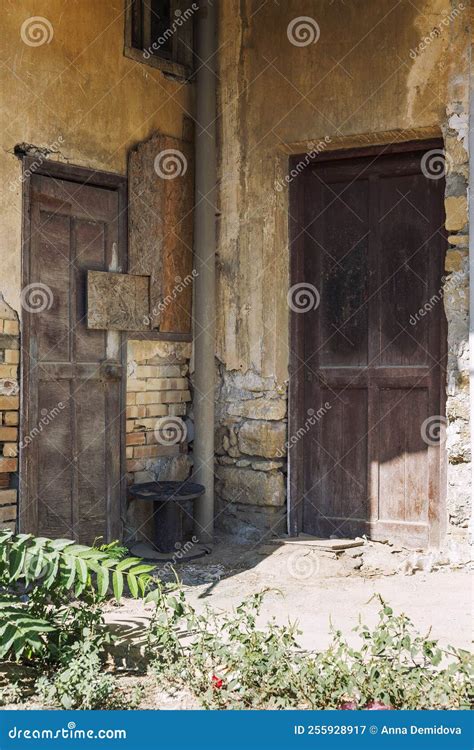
[(373, 249), (71, 434)]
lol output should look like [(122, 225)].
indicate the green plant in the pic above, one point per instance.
[(228, 662), (80, 683), (51, 592)]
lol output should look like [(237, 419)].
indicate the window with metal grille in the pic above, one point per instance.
[(160, 33)]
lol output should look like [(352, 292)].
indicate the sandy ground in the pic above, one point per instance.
[(306, 584), (317, 588)]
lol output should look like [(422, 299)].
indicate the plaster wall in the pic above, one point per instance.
[(373, 73)]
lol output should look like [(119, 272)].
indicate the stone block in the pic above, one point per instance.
[(456, 213), (249, 487), (259, 408), (267, 439)]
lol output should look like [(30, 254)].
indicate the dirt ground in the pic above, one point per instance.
[(306, 582), (317, 587)]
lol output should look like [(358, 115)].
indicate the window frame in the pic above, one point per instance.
[(169, 66)]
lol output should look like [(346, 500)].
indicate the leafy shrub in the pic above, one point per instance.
[(51, 592), (229, 663)]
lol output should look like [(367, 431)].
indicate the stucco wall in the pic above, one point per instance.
[(75, 93), (378, 72), (67, 88)]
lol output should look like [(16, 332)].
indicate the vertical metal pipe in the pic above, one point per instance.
[(204, 260), (471, 261)]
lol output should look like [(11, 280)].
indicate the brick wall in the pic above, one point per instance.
[(9, 415), (157, 433)]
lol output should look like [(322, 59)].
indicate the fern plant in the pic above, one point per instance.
[(51, 590)]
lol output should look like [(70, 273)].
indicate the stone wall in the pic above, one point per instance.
[(456, 304), (9, 415), (251, 455), (157, 429)]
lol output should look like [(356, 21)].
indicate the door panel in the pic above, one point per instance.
[(373, 247), (71, 486)]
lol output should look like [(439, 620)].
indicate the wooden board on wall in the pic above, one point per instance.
[(117, 301), (161, 200)]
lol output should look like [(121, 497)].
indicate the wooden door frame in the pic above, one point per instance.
[(34, 166), (296, 403)]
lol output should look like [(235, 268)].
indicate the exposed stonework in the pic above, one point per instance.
[(251, 473), (9, 414), (157, 431)]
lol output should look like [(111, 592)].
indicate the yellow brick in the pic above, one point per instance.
[(133, 386), (7, 497), (131, 399), (10, 450), (8, 371), (9, 402), (11, 417), (11, 327), (129, 452), (8, 434), (7, 512), (12, 356), (8, 465)]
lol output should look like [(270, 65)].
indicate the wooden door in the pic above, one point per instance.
[(71, 433), (373, 249)]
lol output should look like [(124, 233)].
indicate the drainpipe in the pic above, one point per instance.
[(471, 273), (204, 263)]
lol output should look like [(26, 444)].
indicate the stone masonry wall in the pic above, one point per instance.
[(9, 415), (251, 455), (157, 432), (456, 304)]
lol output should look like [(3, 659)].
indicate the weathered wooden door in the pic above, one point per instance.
[(71, 434), (373, 355)]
